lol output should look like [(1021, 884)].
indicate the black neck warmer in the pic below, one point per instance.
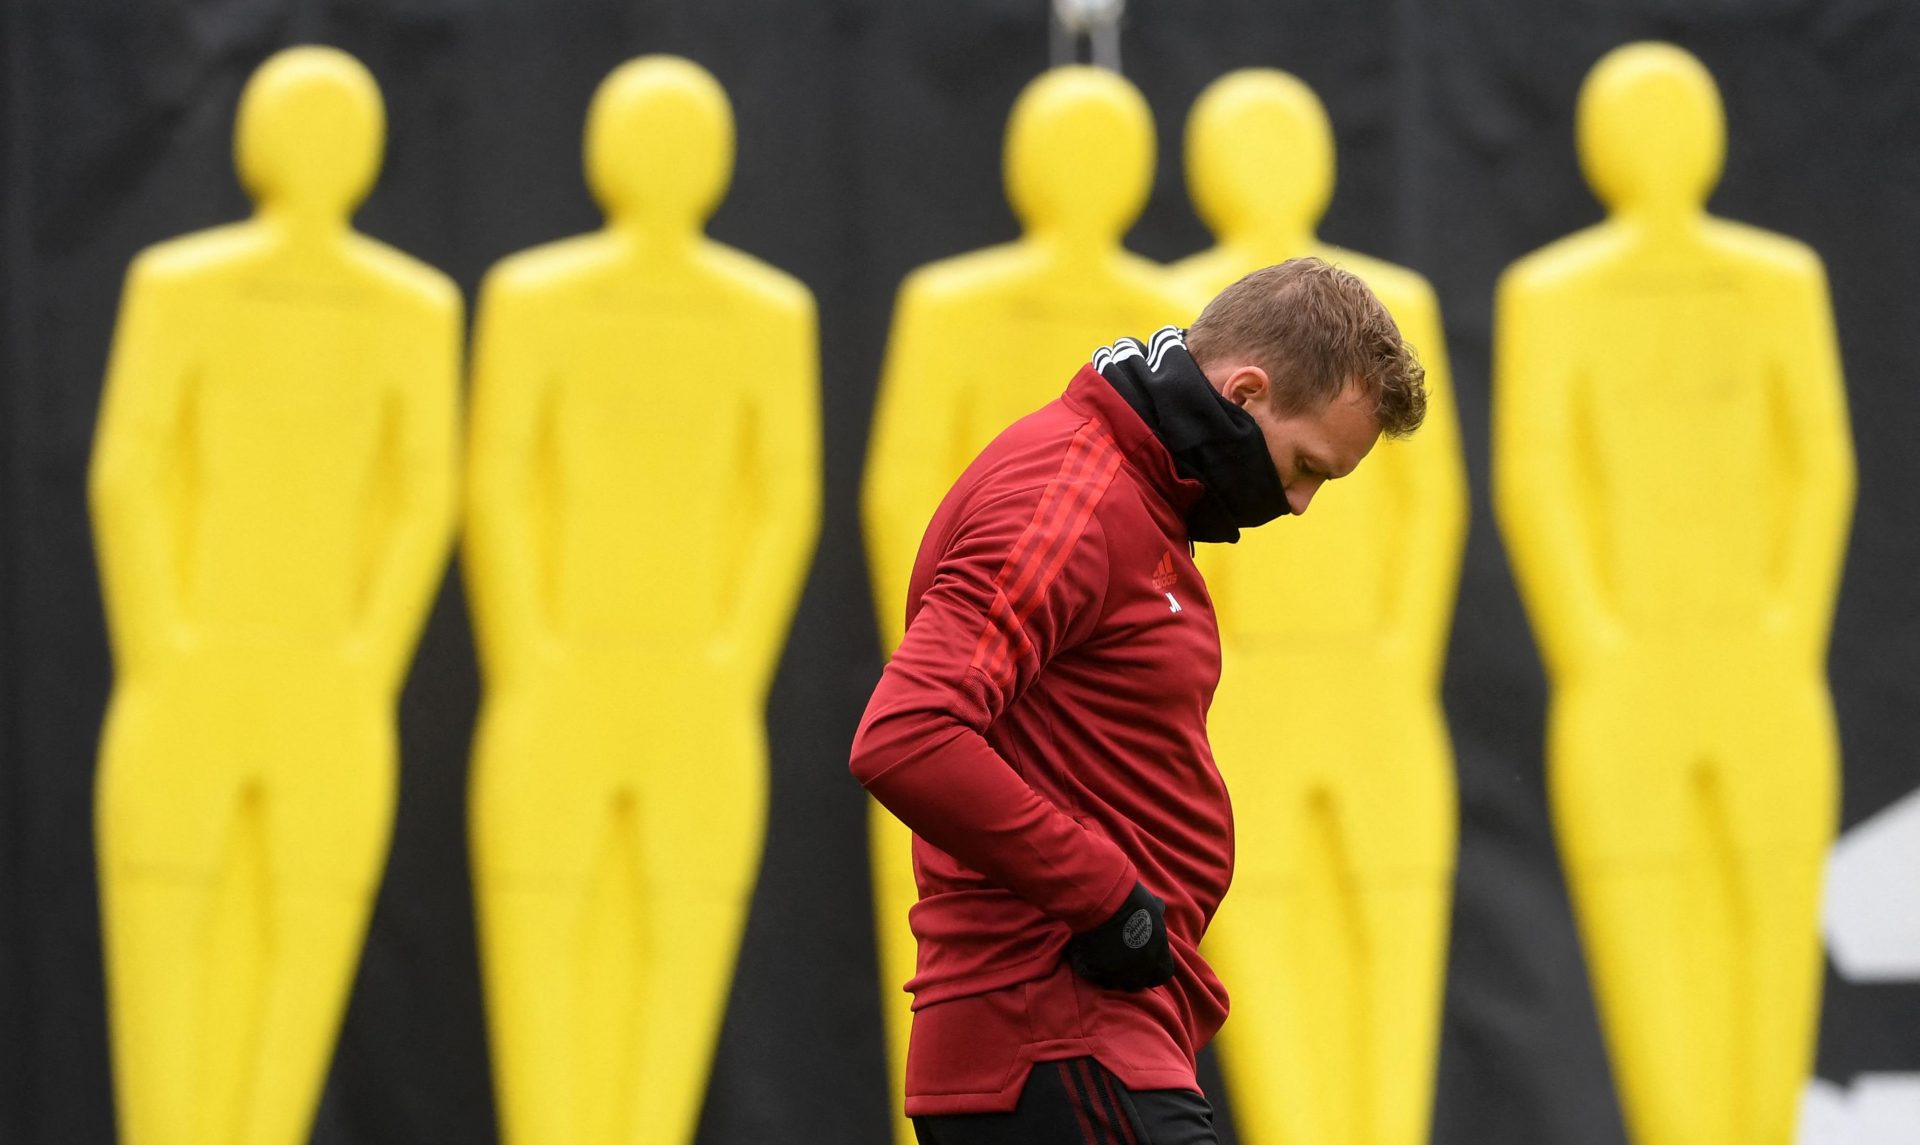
[(1212, 440)]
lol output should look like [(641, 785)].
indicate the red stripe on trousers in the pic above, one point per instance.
[(1079, 1106), (1086, 1067), (1119, 1108)]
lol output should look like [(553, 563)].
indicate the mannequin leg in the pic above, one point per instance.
[(540, 831), (1281, 940), (1404, 824), (180, 884), (1786, 977), (1649, 868), (1783, 792), (317, 935), (894, 893), (1406, 918), (329, 825), (237, 963), (614, 949), (1285, 940), (1664, 1020), (230, 975), (157, 944), (701, 838), (614, 871), (529, 925)]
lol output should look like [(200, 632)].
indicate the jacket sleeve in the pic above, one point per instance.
[(1019, 581)]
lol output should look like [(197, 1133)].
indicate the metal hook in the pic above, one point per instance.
[(1098, 21)]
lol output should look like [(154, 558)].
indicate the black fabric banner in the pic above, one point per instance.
[(869, 143)]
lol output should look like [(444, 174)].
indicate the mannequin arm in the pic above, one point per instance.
[(1537, 495), (906, 461), (134, 458), (1431, 476), (409, 559), (1813, 403), (502, 552), (786, 463)]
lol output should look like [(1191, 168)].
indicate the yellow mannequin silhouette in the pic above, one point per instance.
[(645, 498), (1674, 477), (1334, 939), (273, 486), (984, 338)]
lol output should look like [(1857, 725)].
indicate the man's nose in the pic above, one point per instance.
[(1300, 494)]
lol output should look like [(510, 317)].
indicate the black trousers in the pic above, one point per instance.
[(1076, 1102)]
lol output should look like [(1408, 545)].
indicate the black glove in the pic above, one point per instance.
[(1128, 951)]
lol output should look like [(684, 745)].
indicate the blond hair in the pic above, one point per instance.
[(1316, 329)]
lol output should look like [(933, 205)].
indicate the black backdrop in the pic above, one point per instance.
[(869, 143)]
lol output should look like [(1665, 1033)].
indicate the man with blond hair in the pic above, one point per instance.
[(1042, 727)]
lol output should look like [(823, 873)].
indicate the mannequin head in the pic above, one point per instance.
[(1259, 154), (1079, 157), (659, 148), (1652, 135), (309, 133)]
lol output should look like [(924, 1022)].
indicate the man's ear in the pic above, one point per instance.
[(1245, 385)]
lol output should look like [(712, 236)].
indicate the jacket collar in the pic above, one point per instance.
[(1093, 396)]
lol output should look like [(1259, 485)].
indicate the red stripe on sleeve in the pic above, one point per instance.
[(1003, 629), (1065, 531), (1016, 576), (1066, 505)]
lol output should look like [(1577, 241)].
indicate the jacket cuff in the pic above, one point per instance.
[(1103, 908)]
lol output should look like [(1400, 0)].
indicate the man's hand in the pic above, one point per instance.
[(1128, 951)]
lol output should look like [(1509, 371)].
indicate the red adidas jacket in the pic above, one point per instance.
[(1042, 729)]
